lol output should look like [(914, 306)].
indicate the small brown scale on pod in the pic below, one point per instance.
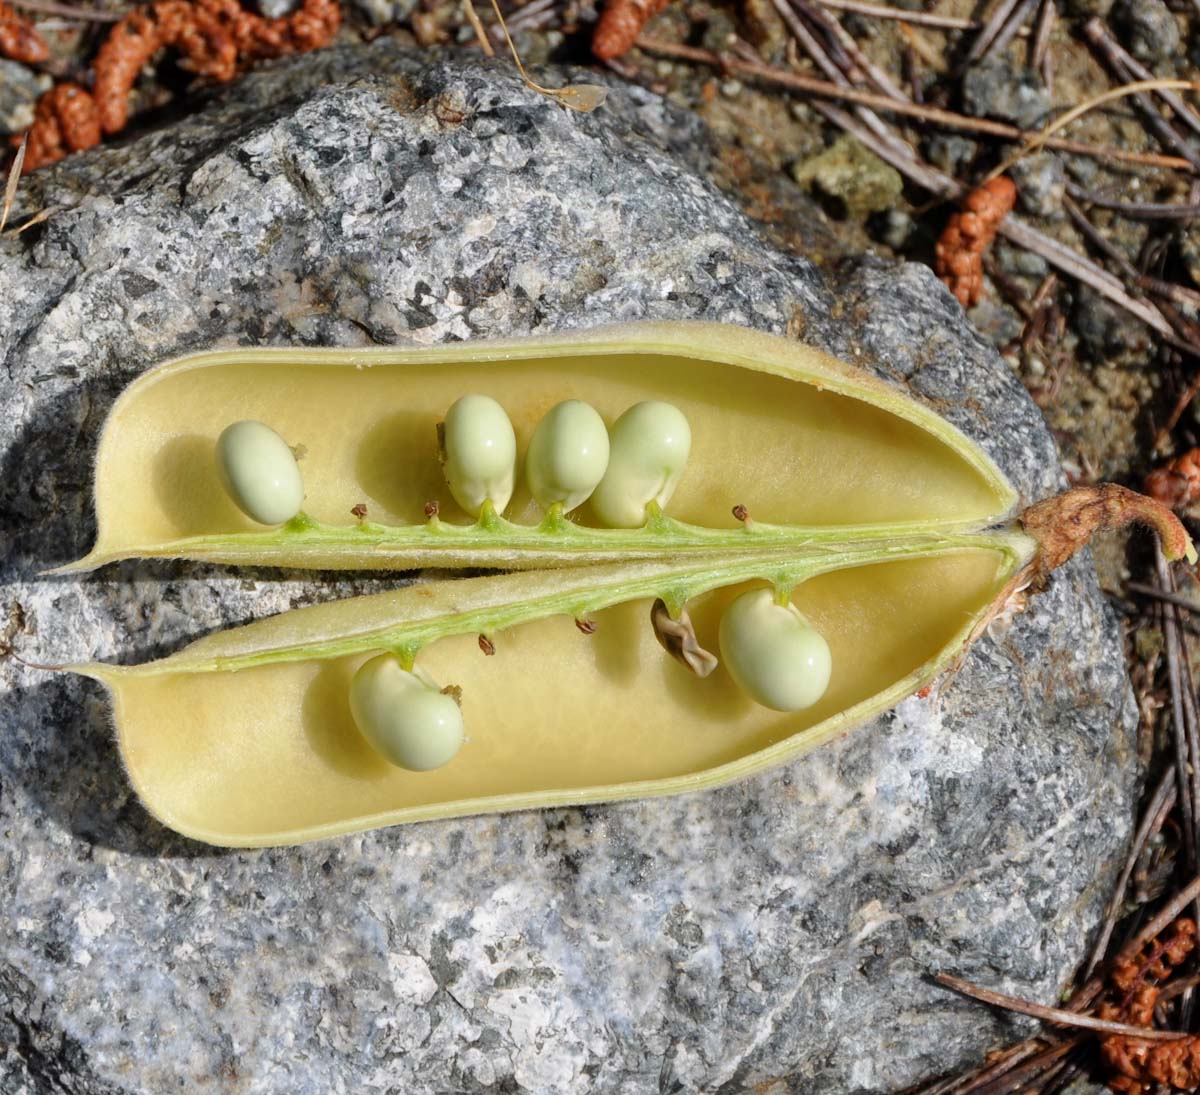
[(612, 603)]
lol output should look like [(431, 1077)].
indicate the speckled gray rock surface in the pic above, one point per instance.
[(773, 933), (20, 88)]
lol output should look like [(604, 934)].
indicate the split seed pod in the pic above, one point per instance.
[(897, 570)]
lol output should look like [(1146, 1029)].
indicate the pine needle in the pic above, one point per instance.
[(1040, 138), (14, 180)]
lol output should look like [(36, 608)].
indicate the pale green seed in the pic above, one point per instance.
[(404, 716), (567, 455), (772, 652), (650, 443), (260, 473), (481, 453)]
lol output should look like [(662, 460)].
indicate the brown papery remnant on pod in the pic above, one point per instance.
[(967, 236), (1064, 524), (678, 638)]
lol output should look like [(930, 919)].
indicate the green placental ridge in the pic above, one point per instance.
[(583, 591)]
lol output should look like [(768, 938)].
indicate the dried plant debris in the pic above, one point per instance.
[(1136, 1064), (217, 40), (18, 40), (1177, 482), (620, 24), (967, 236), (66, 120)]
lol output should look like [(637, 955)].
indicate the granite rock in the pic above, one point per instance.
[(777, 932), (1041, 184), (1001, 87), (20, 88), (1150, 31)]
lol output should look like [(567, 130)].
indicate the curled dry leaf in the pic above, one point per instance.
[(18, 40), (967, 236), (619, 25)]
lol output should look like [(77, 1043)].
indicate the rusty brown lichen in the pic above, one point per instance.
[(64, 121), (1177, 482)]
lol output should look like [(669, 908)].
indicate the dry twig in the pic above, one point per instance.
[(1058, 1016), (1126, 68), (946, 119), (913, 18), (69, 11)]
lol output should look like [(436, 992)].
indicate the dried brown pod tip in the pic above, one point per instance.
[(1177, 482), (18, 40), (967, 236), (1064, 524), (620, 24), (1138, 1066)]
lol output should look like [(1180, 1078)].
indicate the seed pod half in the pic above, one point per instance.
[(411, 722), (260, 473), (556, 716), (480, 450), (567, 455), (773, 653), (766, 414), (650, 444)]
